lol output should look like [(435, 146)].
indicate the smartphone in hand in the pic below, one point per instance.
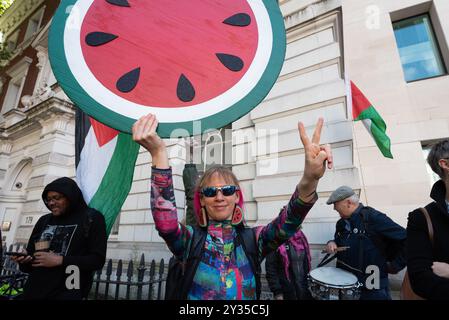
[(17, 254)]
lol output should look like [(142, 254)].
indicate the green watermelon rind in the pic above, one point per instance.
[(115, 120)]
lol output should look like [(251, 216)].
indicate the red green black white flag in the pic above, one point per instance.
[(363, 110), (105, 161)]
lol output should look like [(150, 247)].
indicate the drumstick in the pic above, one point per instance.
[(338, 249)]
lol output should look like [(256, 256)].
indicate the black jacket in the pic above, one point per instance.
[(359, 233), (294, 288), (79, 236), (420, 252)]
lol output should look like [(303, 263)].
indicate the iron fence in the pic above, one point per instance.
[(144, 282), (127, 280)]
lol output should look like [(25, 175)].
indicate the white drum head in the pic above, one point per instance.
[(333, 276)]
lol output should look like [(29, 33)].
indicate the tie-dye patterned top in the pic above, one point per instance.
[(224, 272)]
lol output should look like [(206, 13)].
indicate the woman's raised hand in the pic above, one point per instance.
[(144, 133), (316, 157)]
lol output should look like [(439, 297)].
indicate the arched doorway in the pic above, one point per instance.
[(12, 198)]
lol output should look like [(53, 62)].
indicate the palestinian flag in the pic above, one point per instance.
[(363, 110), (105, 160)]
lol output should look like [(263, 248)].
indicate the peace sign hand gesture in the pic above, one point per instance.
[(316, 156)]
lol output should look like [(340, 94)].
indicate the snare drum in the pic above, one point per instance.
[(330, 283)]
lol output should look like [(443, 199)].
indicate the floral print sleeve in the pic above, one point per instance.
[(163, 208), (285, 225)]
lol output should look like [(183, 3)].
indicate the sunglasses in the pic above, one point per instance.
[(227, 191)]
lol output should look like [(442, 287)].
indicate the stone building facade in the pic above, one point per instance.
[(36, 119), (327, 40)]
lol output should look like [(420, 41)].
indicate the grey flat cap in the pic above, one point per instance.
[(341, 193)]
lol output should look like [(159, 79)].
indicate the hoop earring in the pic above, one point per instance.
[(203, 218), (237, 216)]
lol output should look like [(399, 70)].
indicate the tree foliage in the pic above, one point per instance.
[(4, 4)]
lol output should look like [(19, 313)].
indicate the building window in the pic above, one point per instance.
[(34, 24), (11, 42), (13, 95), (418, 48), (18, 74)]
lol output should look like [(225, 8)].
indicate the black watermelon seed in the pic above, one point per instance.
[(120, 3), (128, 81), (99, 38), (231, 62), (239, 20), (185, 90)]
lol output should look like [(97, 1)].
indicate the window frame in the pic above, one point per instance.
[(18, 74), (15, 35), (38, 16), (437, 45)]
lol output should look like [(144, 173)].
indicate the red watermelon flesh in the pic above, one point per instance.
[(146, 51)]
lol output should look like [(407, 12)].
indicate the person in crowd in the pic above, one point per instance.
[(371, 239), (225, 264), (71, 236), (428, 259), (287, 269)]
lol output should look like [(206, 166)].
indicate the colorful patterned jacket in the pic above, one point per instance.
[(224, 272)]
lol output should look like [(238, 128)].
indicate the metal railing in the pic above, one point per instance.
[(9, 267), (118, 280), (12, 279), (144, 282)]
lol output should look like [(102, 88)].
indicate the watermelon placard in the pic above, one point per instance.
[(184, 60)]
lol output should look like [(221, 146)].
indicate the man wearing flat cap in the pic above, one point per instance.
[(373, 240)]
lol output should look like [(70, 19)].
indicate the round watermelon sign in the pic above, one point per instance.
[(211, 61)]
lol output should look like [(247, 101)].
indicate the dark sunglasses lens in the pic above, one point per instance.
[(210, 192), (228, 190)]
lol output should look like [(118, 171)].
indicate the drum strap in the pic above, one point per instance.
[(348, 266), (361, 253), (327, 258)]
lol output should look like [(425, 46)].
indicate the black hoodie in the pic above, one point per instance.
[(79, 235), (421, 253)]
